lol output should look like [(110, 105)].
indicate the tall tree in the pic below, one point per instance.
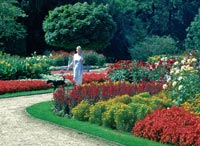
[(10, 29), (80, 24), (192, 40)]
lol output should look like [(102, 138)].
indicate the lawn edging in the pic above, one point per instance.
[(43, 111)]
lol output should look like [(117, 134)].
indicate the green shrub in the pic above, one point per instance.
[(96, 112), (81, 111), (126, 99), (91, 59), (193, 105), (140, 110), (184, 81), (108, 118), (101, 60), (153, 45), (124, 117)]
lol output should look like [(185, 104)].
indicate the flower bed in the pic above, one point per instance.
[(174, 126), (22, 85)]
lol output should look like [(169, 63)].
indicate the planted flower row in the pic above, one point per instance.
[(22, 85), (170, 125), (94, 92)]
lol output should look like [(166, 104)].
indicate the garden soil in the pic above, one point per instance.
[(17, 128)]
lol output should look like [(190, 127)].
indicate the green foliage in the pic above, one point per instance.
[(15, 67), (183, 82), (120, 75), (87, 25), (90, 59), (96, 112), (153, 45), (108, 118), (140, 110), (124, 117), (192, 40), (81, 111), (185, 88), (193, 105), (139, 73), (122, 99), (11, 31), (94, 58)]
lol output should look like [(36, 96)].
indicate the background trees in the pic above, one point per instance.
[(11, 31), (135, 20), (192, 40), (80, 24)]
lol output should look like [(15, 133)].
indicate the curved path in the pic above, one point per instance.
[(17, 128)]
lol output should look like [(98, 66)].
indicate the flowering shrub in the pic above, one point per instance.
[(96, 112), (81, 111), (94, 92), (174, 126), (15, 67), (21, 85), (184, 80), (140, 71), (118, 116), (193, 105), (91, 77)]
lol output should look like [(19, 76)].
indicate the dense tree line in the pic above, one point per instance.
[(175, 22)]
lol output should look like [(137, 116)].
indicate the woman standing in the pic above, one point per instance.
[(77, 63)]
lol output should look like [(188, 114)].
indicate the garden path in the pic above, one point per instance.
[(17, 128)]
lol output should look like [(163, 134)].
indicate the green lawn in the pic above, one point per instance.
[(43, 111)]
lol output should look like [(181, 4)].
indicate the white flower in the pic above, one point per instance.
[(169, 79), (194, 60), (172, 71), (174, 83), (183, 61), (176, 63), (165, 86), (180, 87), (177, 72), (180, 78)]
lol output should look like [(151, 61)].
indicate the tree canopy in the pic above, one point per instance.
[(90, 26), (10, 28), (192, 40)]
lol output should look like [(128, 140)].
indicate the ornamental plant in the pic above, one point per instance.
[(170, 125), (183, 82), (140, 71), (9, 86), (96, 112), (193, 105), (81, 111), (92, 23), (15, 67)]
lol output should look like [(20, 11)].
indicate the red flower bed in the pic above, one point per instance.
[(94, 92), (152, 87), (91, 77), (174, 126), (22, 85)]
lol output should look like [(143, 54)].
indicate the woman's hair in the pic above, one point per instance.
[(78, 47)]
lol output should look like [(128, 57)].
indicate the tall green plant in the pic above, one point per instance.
[(90, 26)]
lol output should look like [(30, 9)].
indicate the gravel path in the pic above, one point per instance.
[(17, 128)]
